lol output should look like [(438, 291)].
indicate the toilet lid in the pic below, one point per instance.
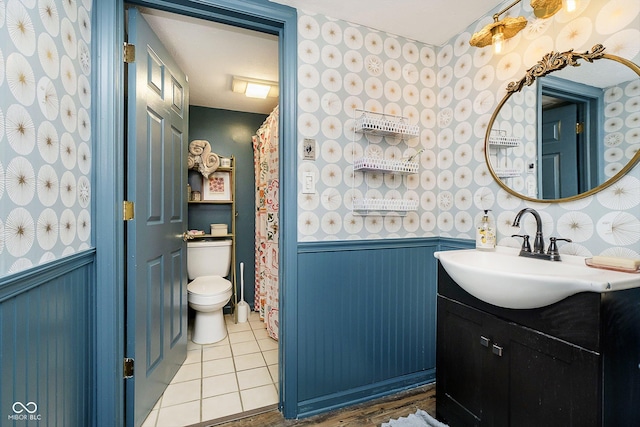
[(209, 285)]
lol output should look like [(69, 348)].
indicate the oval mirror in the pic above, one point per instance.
[(569, 128)]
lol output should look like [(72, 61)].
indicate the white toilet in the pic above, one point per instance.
[(208, 263)]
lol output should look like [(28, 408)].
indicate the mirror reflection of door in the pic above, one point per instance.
[(569, 137), (559, 152)]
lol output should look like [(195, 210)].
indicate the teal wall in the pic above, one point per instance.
[(47, 344), (229, 133)]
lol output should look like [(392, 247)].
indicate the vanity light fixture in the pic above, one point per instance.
[(254, 88), (544, 9), (500, 30)]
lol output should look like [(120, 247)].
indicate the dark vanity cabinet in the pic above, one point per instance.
[(573, 363)]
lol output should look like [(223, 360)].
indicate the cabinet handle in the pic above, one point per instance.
[(484, 341), (497, 350)]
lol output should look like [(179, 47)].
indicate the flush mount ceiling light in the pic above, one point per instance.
[(254, 88), (500, 30)]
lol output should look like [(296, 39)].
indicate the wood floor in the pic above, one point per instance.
[(371, 413)]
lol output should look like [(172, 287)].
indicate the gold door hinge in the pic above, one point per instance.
[(127, 210), (579, 128), (127, 367), (128, 53)]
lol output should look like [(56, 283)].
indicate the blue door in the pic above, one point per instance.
[(156, 277), (559, 153)]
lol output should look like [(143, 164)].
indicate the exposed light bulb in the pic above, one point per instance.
[(497, 40), (571, 5)]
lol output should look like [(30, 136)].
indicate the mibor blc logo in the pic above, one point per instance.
[(24, 412)]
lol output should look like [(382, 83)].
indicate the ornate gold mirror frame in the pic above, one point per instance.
[(554, 61)]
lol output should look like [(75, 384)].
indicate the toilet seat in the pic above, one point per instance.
[(209, 286)]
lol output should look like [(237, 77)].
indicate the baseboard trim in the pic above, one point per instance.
[(366, 393)]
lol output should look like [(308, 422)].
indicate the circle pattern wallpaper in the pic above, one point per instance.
[(450, 93), (45, 131)]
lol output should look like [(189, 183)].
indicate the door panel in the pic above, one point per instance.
[(157, 123), (559, 153)]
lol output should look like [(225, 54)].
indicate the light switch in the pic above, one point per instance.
[(309, 183), (309, 149)]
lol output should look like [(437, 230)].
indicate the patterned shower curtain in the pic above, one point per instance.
[(266, 164)]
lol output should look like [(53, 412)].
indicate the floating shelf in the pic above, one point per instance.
[(372, 164), (504, 141), (507, 173), (395, 205), (381, 124), (209, 236)]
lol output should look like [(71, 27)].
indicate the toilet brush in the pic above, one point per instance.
[(243, 307)]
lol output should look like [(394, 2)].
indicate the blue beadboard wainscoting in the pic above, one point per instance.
[(46, 344), (366, 323)]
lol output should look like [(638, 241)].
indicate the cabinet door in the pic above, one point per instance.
[(464, 367), (551, 382)]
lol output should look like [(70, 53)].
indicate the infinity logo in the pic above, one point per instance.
[(19, 407)]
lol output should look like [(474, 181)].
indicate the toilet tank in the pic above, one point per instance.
[(208, 258)]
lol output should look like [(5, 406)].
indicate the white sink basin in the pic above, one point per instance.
[(504, 279)]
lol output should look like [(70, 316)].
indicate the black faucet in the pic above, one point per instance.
[(538, 244)]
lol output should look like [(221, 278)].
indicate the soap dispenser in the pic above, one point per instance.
[(485, 234)]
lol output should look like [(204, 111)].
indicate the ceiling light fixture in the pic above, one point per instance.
[(254, 88)]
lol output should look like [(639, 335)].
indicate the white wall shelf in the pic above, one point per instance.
[(371, 164), (376, 124), (507, 173), (385, 124), (379, 206)]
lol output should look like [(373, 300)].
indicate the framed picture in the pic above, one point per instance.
[(217, 187)]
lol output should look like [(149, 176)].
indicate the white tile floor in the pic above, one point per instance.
[(235, 375)]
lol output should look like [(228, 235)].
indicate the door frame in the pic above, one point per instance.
[(108, 134)]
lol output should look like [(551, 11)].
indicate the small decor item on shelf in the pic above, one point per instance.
[(219, 230), (225, 162), (196, 196), (217, 186), (201, 158)]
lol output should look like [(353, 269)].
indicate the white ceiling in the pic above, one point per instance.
[(429, 21), (211, 53)]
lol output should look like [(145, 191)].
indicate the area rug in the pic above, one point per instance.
[(419, 419)]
